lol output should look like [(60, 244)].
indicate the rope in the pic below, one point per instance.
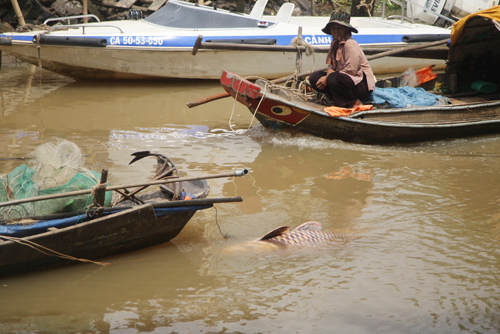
[(48, 251), (301, 92), (225, 236), (96, 188), (298, 41), (235, 99), (38, 49)]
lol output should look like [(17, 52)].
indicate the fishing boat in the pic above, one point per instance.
[(136, 221), (163, 44), (471, 108)]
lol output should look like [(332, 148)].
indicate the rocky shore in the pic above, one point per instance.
[(35, 12)]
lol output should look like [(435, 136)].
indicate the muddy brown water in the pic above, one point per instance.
[(424, 259)]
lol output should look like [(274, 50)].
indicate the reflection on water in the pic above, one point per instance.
[(425, 258)]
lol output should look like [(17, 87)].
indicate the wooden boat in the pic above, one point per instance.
[(473, 61), (61, 239)]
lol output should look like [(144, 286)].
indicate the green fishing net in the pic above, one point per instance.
[(55, 168)]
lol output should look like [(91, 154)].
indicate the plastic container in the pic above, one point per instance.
[(484, 87)]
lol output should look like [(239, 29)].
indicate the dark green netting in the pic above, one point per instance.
[(19, 184)]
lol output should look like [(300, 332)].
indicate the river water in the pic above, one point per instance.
[(423, 256)]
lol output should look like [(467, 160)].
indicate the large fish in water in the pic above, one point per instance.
[(306, 235)]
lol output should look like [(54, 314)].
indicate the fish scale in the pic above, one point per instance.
[(305, 238)]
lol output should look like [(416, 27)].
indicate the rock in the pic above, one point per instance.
[(297, 11), (33, 12), (67, 8), (5, 27), (32, 27)]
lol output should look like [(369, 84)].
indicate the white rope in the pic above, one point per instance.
[(298, 41), (300, 93), (236, 97)]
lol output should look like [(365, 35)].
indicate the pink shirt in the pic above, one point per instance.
[(351, 60)]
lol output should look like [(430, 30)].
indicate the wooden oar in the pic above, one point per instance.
[(304, 74), (150, 183)]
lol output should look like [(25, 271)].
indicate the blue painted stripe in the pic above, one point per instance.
[(280, 39), (28, 38), (188, 41), (378, 39), (18, 230)]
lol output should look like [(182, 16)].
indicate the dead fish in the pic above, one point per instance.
[(308, 234)]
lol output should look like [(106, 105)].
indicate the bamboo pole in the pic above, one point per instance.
[(19, 13), (150, 183), (85, 11), (162, 205), (305, 74)]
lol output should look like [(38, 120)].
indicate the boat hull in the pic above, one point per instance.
[(383, 126), (120, 232), (113, 62), (373, 133), (162, 46)]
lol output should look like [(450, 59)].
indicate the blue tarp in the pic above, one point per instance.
[(19, 230), (403, 96)]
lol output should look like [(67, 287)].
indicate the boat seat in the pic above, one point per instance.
[(258, 9), (285, 12)]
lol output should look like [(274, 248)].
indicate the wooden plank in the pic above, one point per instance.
[(109, 3), (125, 3), (144, 9), (457, 101), (156, 5)]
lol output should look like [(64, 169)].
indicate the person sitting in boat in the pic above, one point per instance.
[(349, 78)]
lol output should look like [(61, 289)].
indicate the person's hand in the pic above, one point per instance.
[(321, 83)]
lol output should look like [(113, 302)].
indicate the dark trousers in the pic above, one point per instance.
[(341, 89)]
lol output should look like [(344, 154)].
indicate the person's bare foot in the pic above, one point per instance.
[(357, 103)]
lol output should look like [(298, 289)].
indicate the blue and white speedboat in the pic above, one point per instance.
[(160, 46)]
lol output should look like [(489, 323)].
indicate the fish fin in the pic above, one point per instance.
[(309, 226), (276, 232)]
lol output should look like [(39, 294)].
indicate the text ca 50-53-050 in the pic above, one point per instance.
[(136, 40)]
